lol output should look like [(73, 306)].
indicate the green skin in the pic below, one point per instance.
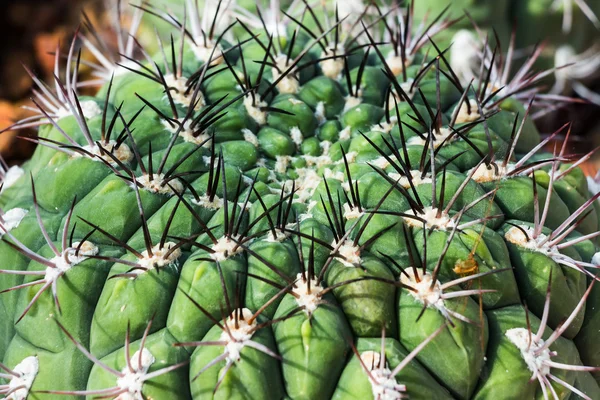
[(516, 200), (191, 154), (77, 177), (314, 228), (365, 151), (449, 95), (75, 366), (113, 197), (479, 139), (315, 362), (462, 344), (368, 304), (77, 296), (573, 199), (303, 117), (198, 274), (260, 212), (361, 117), (7, 331), (254, 376), (232, 176), (329, 131), (126, 93), (275, 143), (413, 156), (502, 124), (26, 233), (385, 235), (115, 310), (375, 188), (239, 147), (19, 194), (323, 90), (488, 251), (576, 178), (229, 128), (155, 131), (177, 217), (161, 346), (372, 85), (409, 116), (313, 347), (255, 52), (532, 270), (508, 376), (354, 382), (586, 338), (311, 147), (284, 257), (470, 193)]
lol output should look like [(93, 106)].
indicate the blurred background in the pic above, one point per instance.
[(31, 30)]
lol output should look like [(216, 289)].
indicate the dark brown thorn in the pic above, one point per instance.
[(282, 290), (463, 99), (438, 265), (338, 221), (315, 19), (89, 355), (128, 349), (361, 70), (317, 39), (295, 62), (291, 45), (373, 238), (486, 82), (235, 75), (64, 243), (238, 225), (113, 238), (353, 194), (344, 283), (266, 262), (395, 263), (364, 225), (191, 241), (288, 210), (40, 221), (332, 226), (181, 160), (415, 204), (203, 310), (311, 238), (266, 213), (464, 137), (442, 192), (453, 77), (225, 202), (145, 230), (171, 20)]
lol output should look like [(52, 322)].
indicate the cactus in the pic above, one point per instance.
[(299, 204)]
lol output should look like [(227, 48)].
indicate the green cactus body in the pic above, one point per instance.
[(320, 212)]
